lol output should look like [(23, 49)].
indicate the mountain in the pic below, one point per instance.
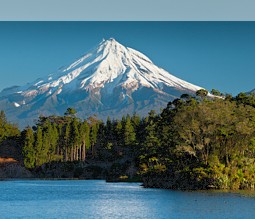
[(251, 92), (110, 80)]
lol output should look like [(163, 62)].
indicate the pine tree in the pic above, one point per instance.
[(39, 147), (7, 129), (129, 133), (202, 93), (46, 147), (70, 112), (74, 140), (119, 133), (93, 137), (52, 133), (28, 150), (136, 120), (85, 141), (66, 138), (108, 131)]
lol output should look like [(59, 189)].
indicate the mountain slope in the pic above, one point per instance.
[(109, 80)]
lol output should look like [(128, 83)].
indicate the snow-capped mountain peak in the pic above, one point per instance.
[(110, 63), (108, 77)]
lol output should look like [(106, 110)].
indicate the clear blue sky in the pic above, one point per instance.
[(217, 55)]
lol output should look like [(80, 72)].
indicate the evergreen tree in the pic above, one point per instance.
[(85, 141), (108, 131), (129, 133), (45, 155), (66, 138), (28, 150), (216, 92), (7, 130), (202, 93), (39, 150), (93, 137), (70, 112), (75, 140), (119, 133)]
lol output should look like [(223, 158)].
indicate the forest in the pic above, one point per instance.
[(196, 142)]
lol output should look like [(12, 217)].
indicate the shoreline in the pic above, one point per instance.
[(238, 191)]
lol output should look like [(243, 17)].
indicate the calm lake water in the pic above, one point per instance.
[(98, 199)]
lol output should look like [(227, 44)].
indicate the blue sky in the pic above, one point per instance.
[(209, 54)]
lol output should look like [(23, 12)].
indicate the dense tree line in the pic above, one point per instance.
[(58, 138), (194, 143), (7, 129), (204, 143), (67, 138)]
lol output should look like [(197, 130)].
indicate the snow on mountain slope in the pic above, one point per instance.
[(110, 63), (107, 79)]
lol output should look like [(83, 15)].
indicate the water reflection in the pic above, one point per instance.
[(97, 199)]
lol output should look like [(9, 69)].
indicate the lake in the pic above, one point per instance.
[(98, 199)]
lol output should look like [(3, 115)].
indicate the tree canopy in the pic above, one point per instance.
[(194, 143)]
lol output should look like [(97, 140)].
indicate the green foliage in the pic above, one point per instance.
[(7, 130), (216, 92), (246, 99), (57, 138), (194, 143), (129, 133), (39, 147), (202, 93), (70, 112), (29, 151)]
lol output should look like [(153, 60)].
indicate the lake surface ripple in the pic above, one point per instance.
[(98, 199)]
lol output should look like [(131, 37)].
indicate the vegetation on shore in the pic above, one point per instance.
[(194, 143)]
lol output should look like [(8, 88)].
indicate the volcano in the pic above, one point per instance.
[(110, 80)]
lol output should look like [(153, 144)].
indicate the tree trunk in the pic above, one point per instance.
[(93, 150), (84, 151), (71, 154), (76, 153), (65, 154)]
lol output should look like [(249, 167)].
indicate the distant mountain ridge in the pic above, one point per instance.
[(110, 80)]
